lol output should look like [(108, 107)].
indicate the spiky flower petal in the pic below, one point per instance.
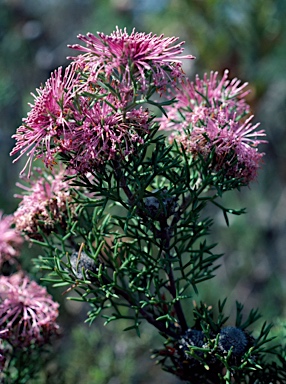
[(88, 128), (132, 56), (210, 118), (103, 133), (44, 203), (27, 312), (48, 118), (10, 239)]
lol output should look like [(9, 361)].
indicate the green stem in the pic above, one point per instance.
[(160, 325), (177, 304), (227, 376), (172, 282)]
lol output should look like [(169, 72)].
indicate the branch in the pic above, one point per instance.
[(172, 282)]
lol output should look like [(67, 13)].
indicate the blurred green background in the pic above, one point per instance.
[(246, 36)]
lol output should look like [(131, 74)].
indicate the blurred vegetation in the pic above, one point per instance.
[(246, 36)]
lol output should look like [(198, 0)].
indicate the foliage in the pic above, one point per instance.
[(75, 250)]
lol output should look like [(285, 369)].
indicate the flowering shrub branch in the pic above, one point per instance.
[(120, 210)]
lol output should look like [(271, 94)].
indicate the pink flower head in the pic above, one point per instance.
[(84, 122), (205, 98), (209, 117), (89, 113), (133, 55), (90, 132), (48, 117), (103, 134), (27, 312), (44, 204), (10, 239)]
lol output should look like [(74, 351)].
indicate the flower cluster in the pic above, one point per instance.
[(132, 57), (45, 204), (196, 350), (10, 239), (210, 118), (141, 225), (27, 312), (48, 118), (103, 134), (90, 131), (91, 119)]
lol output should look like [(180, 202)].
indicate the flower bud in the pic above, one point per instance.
[(161, 205), (235, 338), (80, 262), (192, 337)]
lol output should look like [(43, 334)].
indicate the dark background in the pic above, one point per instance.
[(246, 36)]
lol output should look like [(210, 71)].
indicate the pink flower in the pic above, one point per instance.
[(48, 117), (87, 125), (132, 56), (10, 239), (27, 312), (210, 118), (90, 112), (103, 134), (44, 204), (234, 147), (206, 98), (90, 131)]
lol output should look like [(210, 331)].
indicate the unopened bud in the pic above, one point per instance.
[(161, 205), (235, 338), (81, 261)]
